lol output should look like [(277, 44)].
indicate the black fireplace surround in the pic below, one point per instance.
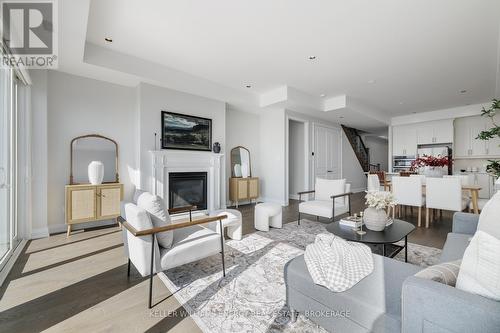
[(187, 188)]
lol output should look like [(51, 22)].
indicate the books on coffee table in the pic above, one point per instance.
[(351, 222)]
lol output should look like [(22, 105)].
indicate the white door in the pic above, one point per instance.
[(327, 154)]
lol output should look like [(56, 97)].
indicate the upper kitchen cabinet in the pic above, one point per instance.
[(432, 132), (404, 140), (467, 146)]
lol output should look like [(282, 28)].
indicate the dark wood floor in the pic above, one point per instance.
[(79, 284)]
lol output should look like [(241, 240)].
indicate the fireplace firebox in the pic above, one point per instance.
[(187, 188)]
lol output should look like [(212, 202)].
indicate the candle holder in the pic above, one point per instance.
[(361, 231)]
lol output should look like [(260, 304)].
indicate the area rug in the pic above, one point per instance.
[(251, 298)]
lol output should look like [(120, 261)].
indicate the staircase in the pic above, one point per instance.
[(360, 150)]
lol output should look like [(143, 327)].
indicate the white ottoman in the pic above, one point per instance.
[(232, 223), (267, 214)]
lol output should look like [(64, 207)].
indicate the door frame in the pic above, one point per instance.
[(341, 144), (307, 170)]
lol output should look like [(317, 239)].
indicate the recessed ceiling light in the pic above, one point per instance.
[(463, 91), (248, 86), (312, 57), (322, 95), (372, 81), (108, 39)]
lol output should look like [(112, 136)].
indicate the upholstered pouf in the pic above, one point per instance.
[(267, 214), (232, 223)]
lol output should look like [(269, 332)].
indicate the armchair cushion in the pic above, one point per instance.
[(323, 208), (155, 206), (138, 249), (190, 244), (325, 188)]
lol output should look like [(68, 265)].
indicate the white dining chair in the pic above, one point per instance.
[(465, 180), (421, 177), (444, 193), (373, 183), (407, 191)]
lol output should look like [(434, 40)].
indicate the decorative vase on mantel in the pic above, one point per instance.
[(216, 147), (375, 219)]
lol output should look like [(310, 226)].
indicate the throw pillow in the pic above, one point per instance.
[(446, 272), (480, 270), (137, 194), (155, 206), (488, 220), (325, 188)]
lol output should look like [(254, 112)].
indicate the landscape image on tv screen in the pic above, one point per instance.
[(181, 131)]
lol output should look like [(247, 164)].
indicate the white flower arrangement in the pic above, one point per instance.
[(380, 200)]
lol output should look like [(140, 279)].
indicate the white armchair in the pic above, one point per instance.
[(331, 199), (191, 241)]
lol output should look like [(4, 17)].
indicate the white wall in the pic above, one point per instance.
[(379, 150), (296, 158), (242, 129), (39, 157), (153, 100), (78, 106), (272, 155)]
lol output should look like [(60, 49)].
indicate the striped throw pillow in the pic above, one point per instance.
[(446, 272)]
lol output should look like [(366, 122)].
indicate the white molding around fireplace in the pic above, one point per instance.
[(166, 161)]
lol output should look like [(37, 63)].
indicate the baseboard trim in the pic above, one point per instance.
[(42, 232)]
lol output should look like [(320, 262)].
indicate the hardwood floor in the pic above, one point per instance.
[(80, 283)]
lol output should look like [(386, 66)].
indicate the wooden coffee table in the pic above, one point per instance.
[(392, 234)]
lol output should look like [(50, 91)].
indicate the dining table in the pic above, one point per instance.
[(473, 189)]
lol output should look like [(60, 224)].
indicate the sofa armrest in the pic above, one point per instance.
[(465, 223), (429, 306)]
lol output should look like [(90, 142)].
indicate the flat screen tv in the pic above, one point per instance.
[(180, 131)]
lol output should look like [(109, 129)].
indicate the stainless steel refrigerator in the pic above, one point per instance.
[(437, 151)]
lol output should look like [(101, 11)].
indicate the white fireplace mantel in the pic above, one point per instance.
[(166, 161)]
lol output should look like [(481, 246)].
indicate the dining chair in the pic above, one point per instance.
[(465, 180), (373, 183), (444, 193), (421, 177), (381, 177), (407, 191)]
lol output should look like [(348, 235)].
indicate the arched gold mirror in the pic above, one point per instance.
[(241, 166), (93, 148)]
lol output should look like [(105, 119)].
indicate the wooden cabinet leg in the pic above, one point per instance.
[(68, 232), (419, 216)]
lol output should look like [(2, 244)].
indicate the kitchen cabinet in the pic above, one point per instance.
[(404, 140), (432, 132), (466, 144)]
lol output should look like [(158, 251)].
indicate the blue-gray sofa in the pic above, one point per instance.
[(392, 299)]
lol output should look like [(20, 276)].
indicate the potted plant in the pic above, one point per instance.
[(431, 166), (375, 215), (493, 168)]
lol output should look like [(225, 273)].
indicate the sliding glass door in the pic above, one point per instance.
[(8, 166)]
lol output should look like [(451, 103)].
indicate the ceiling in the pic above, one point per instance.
[(394, 56)]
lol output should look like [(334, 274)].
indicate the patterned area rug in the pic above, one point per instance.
[(251, 298)]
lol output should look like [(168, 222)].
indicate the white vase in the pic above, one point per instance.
[(244, 170), (435, 172), (237, 170), (375, 219), (96, 172)]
